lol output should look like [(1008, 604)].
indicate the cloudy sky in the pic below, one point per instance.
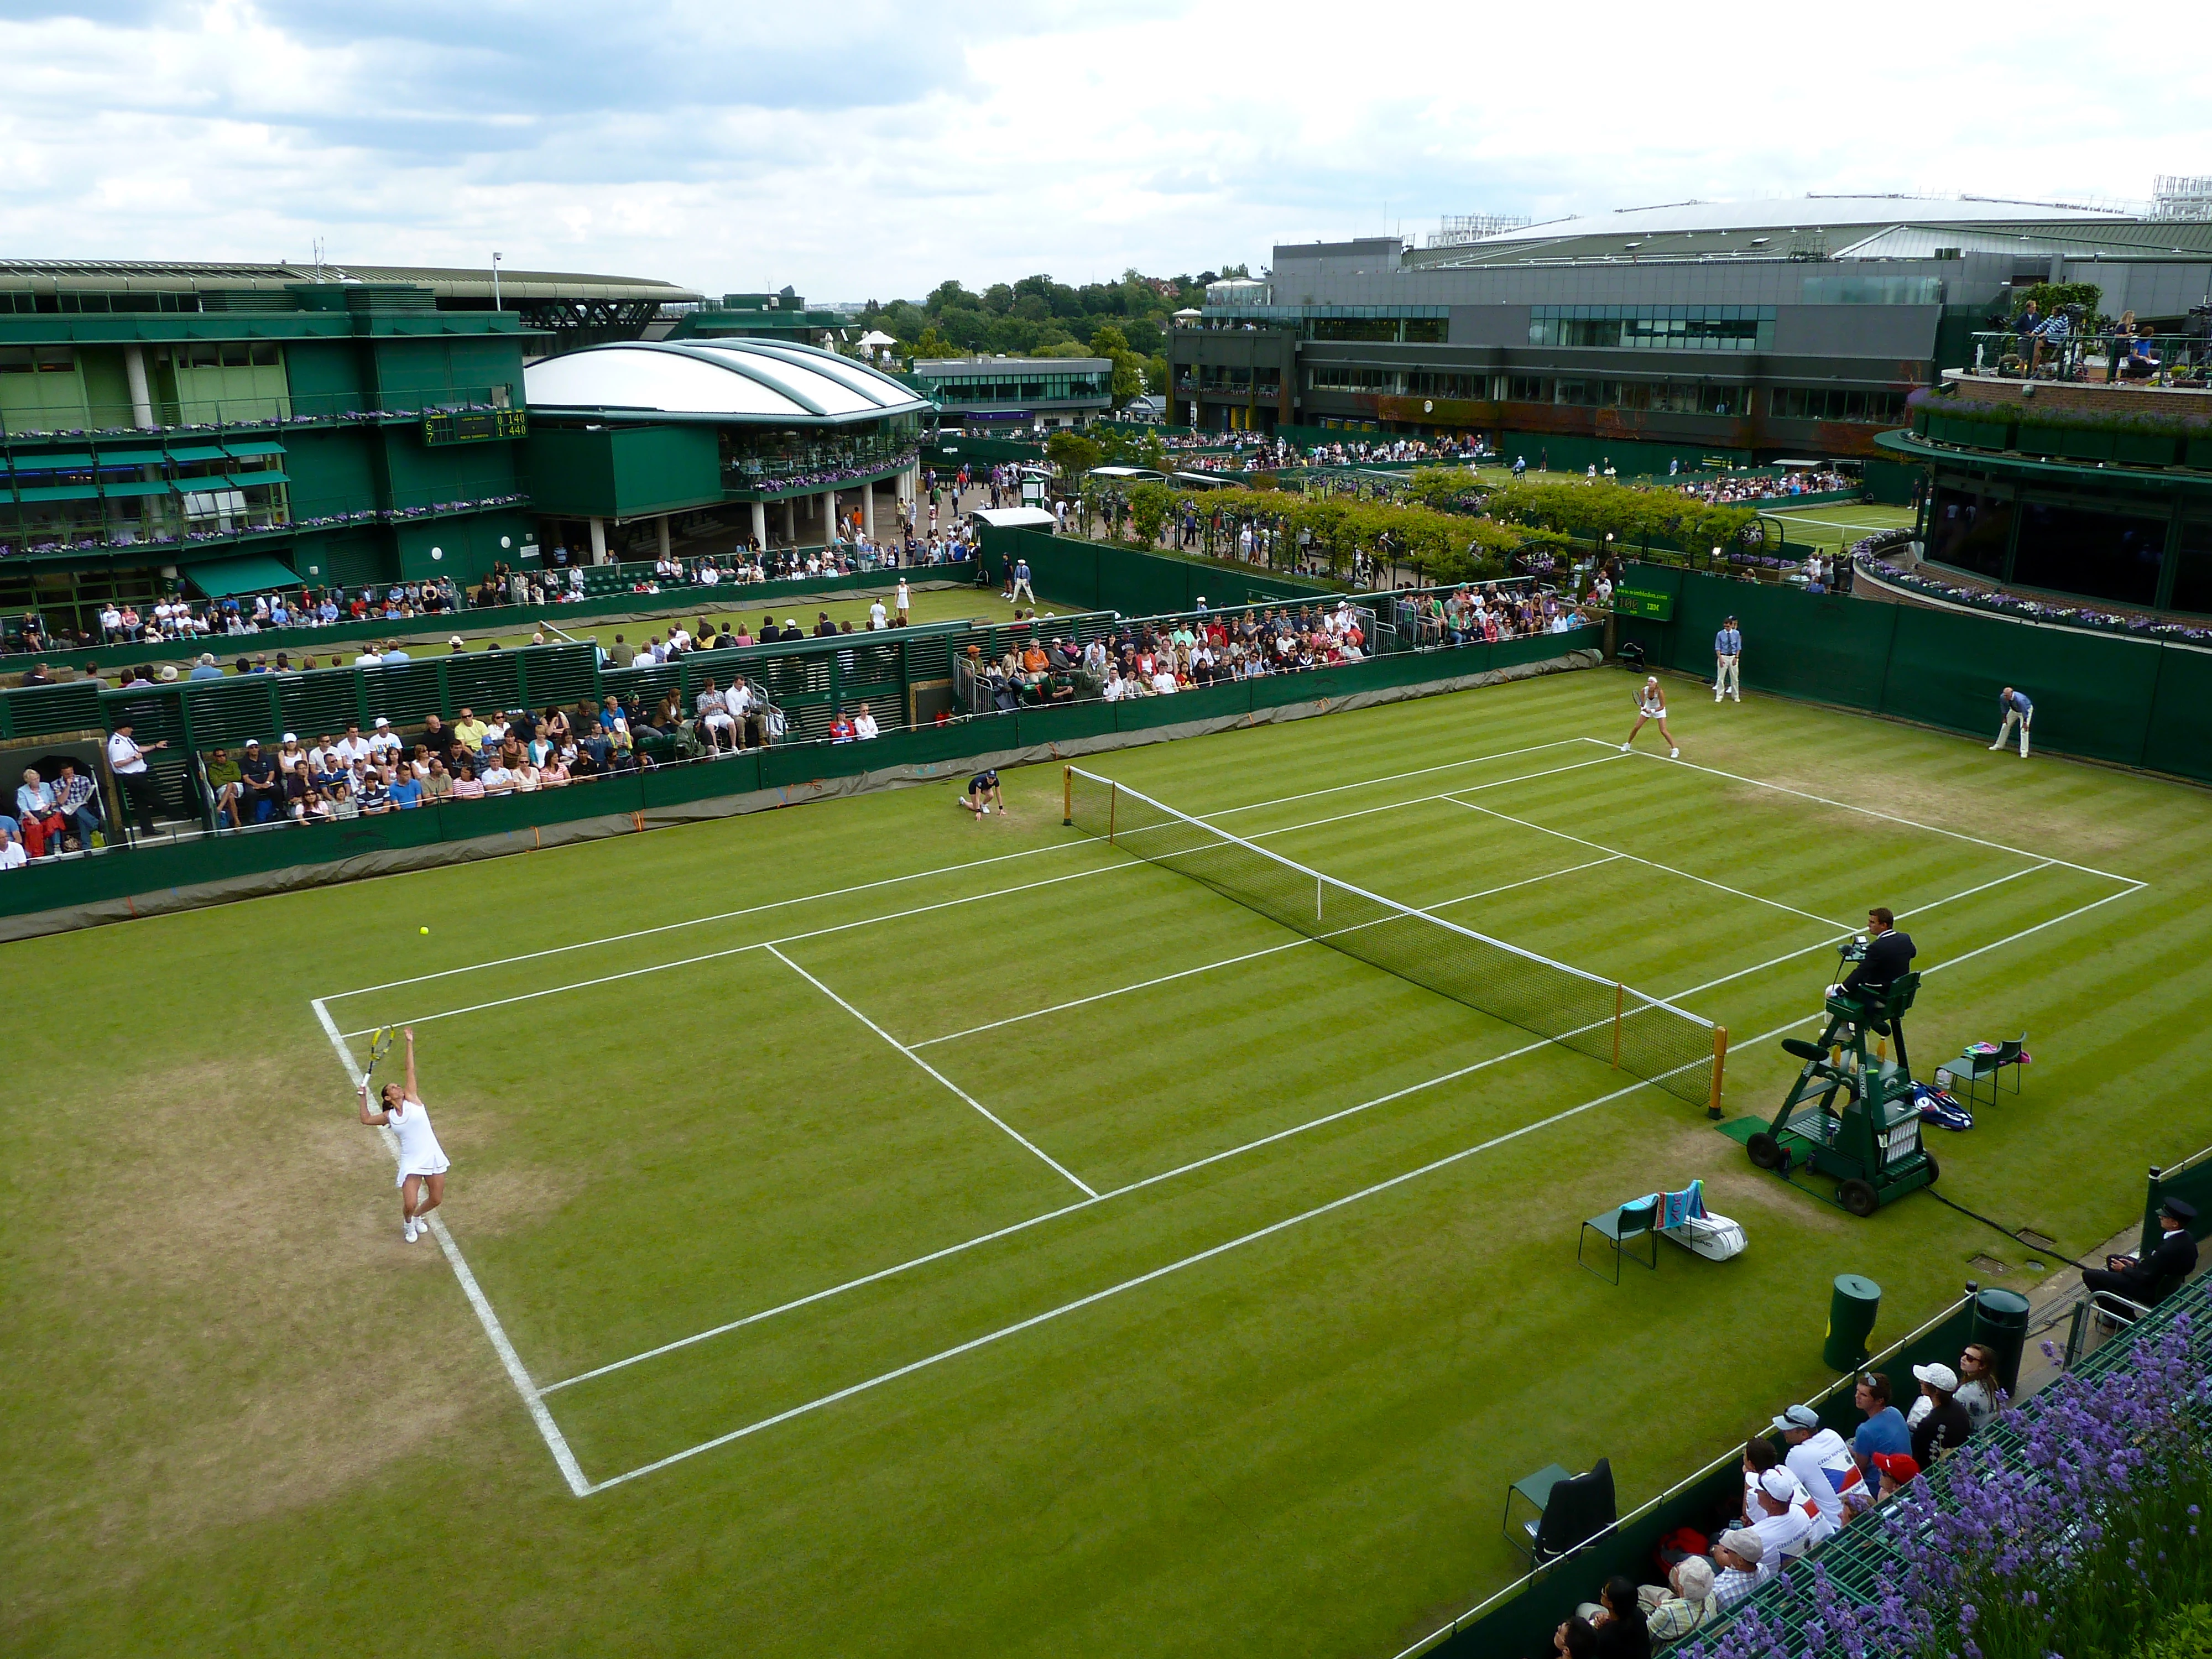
[(872, 150)]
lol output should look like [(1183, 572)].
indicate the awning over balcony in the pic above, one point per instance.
[(248, 573)]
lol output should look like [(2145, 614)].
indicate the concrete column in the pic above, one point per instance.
[(791, 521), (599, 541), (828, 515), (760, 523), (660, 525), (868, 509), (142, 400)]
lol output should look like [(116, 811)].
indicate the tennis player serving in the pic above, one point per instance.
[(1650, 705), (423, 1161)]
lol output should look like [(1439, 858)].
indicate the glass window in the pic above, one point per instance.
[(2192, 569), (264, 354), (1528, 389), (1575, 392), (2099, 554), (1969, 532)]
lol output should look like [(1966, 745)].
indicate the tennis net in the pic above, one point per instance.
[(1609, 1021)]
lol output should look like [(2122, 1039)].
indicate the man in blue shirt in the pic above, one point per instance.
[(1728, 651), (2017, 709), (1884, 1429)]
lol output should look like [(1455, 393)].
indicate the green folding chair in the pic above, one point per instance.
[(1621, 1227)]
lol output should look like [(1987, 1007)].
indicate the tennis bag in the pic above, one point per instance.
[(1941, 1108), (1712, 1237)]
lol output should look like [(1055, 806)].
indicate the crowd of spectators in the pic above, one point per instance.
[(1732, 491), (1256, 453), (1476, 613), (1803, 1482)]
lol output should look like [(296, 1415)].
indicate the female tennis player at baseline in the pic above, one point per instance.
[(1650, 705), (423, 1161)]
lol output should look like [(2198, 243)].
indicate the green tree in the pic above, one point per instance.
[(1150, 506), (1073, 455), (1128, 380), (932, 344)]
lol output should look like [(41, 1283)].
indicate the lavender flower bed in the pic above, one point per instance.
[(2012, 604), (2069, 1528)]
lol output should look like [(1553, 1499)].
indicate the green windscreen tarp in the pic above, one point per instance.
[(249, 572)]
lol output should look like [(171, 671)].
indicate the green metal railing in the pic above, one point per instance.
[(118, 423), (2111, 356)]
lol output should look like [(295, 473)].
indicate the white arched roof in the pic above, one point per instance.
[(764, 381)]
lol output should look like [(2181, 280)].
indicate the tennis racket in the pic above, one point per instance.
[(379, 1044)]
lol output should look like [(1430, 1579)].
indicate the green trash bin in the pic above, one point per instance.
[(2001, 1321), (1851, 1322)]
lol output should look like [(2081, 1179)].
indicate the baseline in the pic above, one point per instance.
[(517, 1373)]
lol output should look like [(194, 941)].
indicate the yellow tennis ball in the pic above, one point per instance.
[(426, 930)]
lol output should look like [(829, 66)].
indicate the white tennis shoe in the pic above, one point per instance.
[(411, 1229), (1674, 754), (1624, 749)]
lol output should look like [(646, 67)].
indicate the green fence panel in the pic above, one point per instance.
[(673, 785), (1200, 703), (419, 826), (464, 820), (558, 674), (409, 693), (1065, 723), (2092, 694), (482, 680), (35, 711), (321, 704), (2175, 737), (1827, 648), (229, 711)]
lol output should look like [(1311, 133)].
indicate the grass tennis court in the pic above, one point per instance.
[(915, 1234)]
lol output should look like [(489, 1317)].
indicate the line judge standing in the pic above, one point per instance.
[(1727, 653), (2017, 710), (127, 761)]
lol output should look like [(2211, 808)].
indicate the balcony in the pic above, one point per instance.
[(816, 467), (2161, 419), (98, 423)]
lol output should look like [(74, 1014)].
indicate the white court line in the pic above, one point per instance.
[(701, 921), (1258, 1234), (758, 944), (1012, 1228), (1887, 817), (1651, 863), (1388, 777), (1081, 1302), (1003, 1126), (1249, 955), (892, 881), (1418, 800), (1252, 1145), (517, 1374), (1124, 866)]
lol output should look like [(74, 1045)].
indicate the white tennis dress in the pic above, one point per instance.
[(1653, 703), (420, 1154)]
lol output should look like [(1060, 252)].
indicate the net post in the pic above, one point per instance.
[(1720, 1065), (1067, 797), (1620, 994)]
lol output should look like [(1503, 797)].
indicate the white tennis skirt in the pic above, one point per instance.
[(437, 1164)]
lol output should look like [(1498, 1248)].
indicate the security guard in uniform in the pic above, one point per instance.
[(2146, 1281)]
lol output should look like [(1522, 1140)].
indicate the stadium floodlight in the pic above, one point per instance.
[(1644, 1036)]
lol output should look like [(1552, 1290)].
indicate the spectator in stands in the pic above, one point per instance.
[(12, 856), (1618, 1620), (405, 789), (1783, 1527), (1740, 1563), (1897, 1471), (553, 774), (1885, 1428), (39, 811), (226, 783), (1575, 1639), (1978, 1384), (864, 725), (1821, 1461), (1944, 1424), (715, 722), (79, 801), (840, 728), (437, 782), (374, 795), (263, 790), (470, 730), (466, 785), (206, 668), (1684, 1603)]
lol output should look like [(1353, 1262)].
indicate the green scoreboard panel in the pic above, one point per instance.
[(474, 426), (1652, 607)]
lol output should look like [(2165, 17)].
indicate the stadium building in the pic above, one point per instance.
[(1746, 331), (228, 429), (1015, 394)]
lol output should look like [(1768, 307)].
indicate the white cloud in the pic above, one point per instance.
[(875, 149)]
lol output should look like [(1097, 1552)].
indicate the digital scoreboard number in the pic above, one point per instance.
[(1652, 607), (475, 426)]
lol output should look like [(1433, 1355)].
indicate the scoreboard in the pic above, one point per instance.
[(472, 426)]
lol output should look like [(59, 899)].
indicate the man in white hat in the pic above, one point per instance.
[(1821, 1461), (383, 742), (1783, 1529), (1739, 1562), (1944, 1424)]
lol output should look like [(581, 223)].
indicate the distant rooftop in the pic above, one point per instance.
[(204, 276)]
